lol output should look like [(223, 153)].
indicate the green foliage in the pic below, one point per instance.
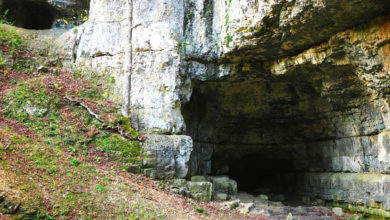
[(126, 124), (10, 37), (74, 161), (111, 79), (183, 44), (90, 92), (29, 93), (197, 207), (3, 61), (42, 215), (100, 188), (363, 209), (3, 18), (227, 20), (77, 74), (115, 145), (229, 39), (26, 64)]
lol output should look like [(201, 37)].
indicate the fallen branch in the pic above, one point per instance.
[(116, 129), (86, 107)]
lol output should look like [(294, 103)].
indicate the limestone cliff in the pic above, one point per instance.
[(271, 87)]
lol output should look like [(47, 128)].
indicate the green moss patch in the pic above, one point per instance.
[(29, 99), (114, 144)]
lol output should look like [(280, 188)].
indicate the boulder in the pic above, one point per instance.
[(246, 208), (231, 205), (201, 191), (34, 110), (338, 211), (200, 178), (222, 196), (223, 184), (168, 155)]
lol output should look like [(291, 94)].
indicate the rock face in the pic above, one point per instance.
[(265, 89), (169, 155)]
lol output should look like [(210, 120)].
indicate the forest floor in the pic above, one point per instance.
[(59, 161)]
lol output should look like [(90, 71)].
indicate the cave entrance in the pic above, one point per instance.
[(29, 14), (257, 174), (268, 133)]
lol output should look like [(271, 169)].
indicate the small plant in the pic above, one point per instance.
[(100, 188), (3, 18), (74, 161), (229, 39), (10, 37), (196, 206), (111, 79), (3, 61)]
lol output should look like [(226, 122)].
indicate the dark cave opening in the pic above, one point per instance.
[(29, 14), (260, 175), (272, 135)]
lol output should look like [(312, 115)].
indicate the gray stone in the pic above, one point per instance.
[(200, 178), (231, 205), (170, 155), (246, 207), (223, 184), (34, 110), (42, 69), (151, 173), (11, 208), (348, 187), (338, 211), (133, 169), (201, 191), (180, 190), (222, 196), (179, 182)]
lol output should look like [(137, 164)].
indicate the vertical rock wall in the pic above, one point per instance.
[(156, 78)]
